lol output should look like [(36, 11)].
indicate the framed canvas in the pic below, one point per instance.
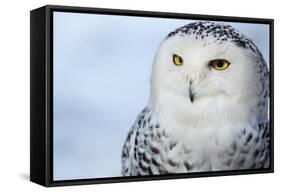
[(125, 95)]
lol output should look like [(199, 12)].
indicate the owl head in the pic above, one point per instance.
[(205, 64)]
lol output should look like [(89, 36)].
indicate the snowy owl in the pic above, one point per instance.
[(208, 105)]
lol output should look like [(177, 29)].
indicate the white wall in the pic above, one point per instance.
[(14, 95)]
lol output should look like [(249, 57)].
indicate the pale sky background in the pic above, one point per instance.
[(102, 69)]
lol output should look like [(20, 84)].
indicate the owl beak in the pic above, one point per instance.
[(191, 94)]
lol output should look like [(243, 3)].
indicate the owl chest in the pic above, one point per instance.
[(159, 151)]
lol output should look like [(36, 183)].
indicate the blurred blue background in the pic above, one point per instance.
[(101, 82)]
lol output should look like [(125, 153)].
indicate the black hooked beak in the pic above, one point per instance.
[(191, 94)]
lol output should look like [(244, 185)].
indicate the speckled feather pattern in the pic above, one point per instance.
[(149, 150)]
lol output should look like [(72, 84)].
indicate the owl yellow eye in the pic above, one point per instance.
[(177, 60), (219, 64)]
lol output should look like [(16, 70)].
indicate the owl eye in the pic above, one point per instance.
[(219, 64), (177, 60)]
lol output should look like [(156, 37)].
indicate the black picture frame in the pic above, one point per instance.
[(41, 94)]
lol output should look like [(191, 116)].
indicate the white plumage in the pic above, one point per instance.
[(202, 117)]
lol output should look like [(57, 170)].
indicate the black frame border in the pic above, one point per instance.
[(41, 165)]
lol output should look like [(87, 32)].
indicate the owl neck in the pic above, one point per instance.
[(175, 107)]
